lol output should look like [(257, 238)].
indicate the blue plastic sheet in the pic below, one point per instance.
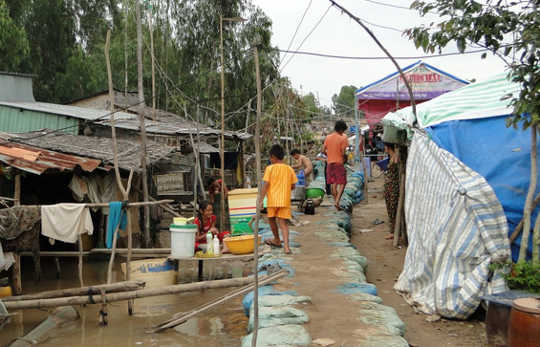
[(498, 153)]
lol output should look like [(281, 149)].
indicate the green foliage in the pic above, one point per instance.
[(13, 41), (524, 276), (343, 104), (505, 28)]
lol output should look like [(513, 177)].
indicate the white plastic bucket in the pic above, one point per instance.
[(183, 240)]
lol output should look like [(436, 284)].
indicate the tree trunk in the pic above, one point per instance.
[(528, 202)]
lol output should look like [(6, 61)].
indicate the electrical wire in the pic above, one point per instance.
[(324, 55), (298, 27), (389, 5), (307, 36)]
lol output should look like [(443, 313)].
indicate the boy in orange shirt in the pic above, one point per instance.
[(279, 180)]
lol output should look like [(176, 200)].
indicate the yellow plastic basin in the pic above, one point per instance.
[(240, 244)]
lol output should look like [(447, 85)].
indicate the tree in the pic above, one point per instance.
[(14, 46), (502, 27), (343, 104), (508, 29)]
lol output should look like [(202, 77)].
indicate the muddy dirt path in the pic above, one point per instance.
[(385, 264)]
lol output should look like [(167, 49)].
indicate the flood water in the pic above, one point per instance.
[(220, 326)]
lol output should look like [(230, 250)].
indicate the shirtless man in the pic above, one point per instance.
[(302, 163)]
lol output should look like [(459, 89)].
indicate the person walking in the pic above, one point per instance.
[(334, 146)]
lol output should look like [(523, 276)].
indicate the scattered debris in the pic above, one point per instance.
[(377, 221), (324, 342)]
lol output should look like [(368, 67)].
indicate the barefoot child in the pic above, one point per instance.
[(279, 180)]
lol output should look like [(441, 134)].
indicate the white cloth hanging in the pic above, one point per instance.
[(65, 222)]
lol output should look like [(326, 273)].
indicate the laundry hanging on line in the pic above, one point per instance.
[(65, 222), (117, 215)]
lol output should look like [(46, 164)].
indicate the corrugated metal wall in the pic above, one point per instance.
[(15, 120)]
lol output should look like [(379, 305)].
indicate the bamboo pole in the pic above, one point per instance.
[(151, 29), (133, 250), (259, 202), (16, 276), (81, 280), (133, 204), (135, 294), (17, 191), (178, 319), (58, 318), (399, 215), (60, 293), (222, 142), (125, 191), (199, 142), (126, 16)]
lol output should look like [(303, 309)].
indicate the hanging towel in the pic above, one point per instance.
[(65, 222), (116, 215)]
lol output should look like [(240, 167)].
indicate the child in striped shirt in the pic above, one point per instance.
[(279, 180)]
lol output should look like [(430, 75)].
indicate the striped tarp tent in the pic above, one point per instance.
[(478, 171)]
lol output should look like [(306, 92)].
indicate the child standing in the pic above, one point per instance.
[(279, 180)]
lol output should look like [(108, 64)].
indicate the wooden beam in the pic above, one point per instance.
[(60, 293), (135, 294)]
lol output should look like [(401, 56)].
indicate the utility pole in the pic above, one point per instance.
[(146, 208), (222, 142), (126, 48), (151, 27), (259, 200)]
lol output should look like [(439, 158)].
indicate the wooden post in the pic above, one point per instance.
[(126, 15), (16, 270), (61, 316), (81, 261), (139, 54), (17, 190), (16, 274), (153, 67), (203, 193), (400, 208), (142, 126), (125, 192), (259, 200), (222, 142)]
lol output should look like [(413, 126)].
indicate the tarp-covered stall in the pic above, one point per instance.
[(390, 94), (478, 172)]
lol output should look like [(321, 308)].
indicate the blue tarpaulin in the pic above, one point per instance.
[(498, 153)]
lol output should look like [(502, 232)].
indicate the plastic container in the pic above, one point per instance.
[(301, 178), (241, 244), (242, 206), (183, 240), (209, 244), (217, 249), (313, 193)]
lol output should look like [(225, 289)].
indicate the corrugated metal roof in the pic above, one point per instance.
[(168, 126), (20, 120), (94, 147), (16, 155)]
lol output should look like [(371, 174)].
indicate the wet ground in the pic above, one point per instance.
[(222, 326)]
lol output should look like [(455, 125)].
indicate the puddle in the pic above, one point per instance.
[(221, 326)]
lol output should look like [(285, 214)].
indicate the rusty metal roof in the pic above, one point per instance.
[(17, 155)]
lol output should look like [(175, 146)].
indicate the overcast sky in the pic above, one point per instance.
[(337, 34)]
